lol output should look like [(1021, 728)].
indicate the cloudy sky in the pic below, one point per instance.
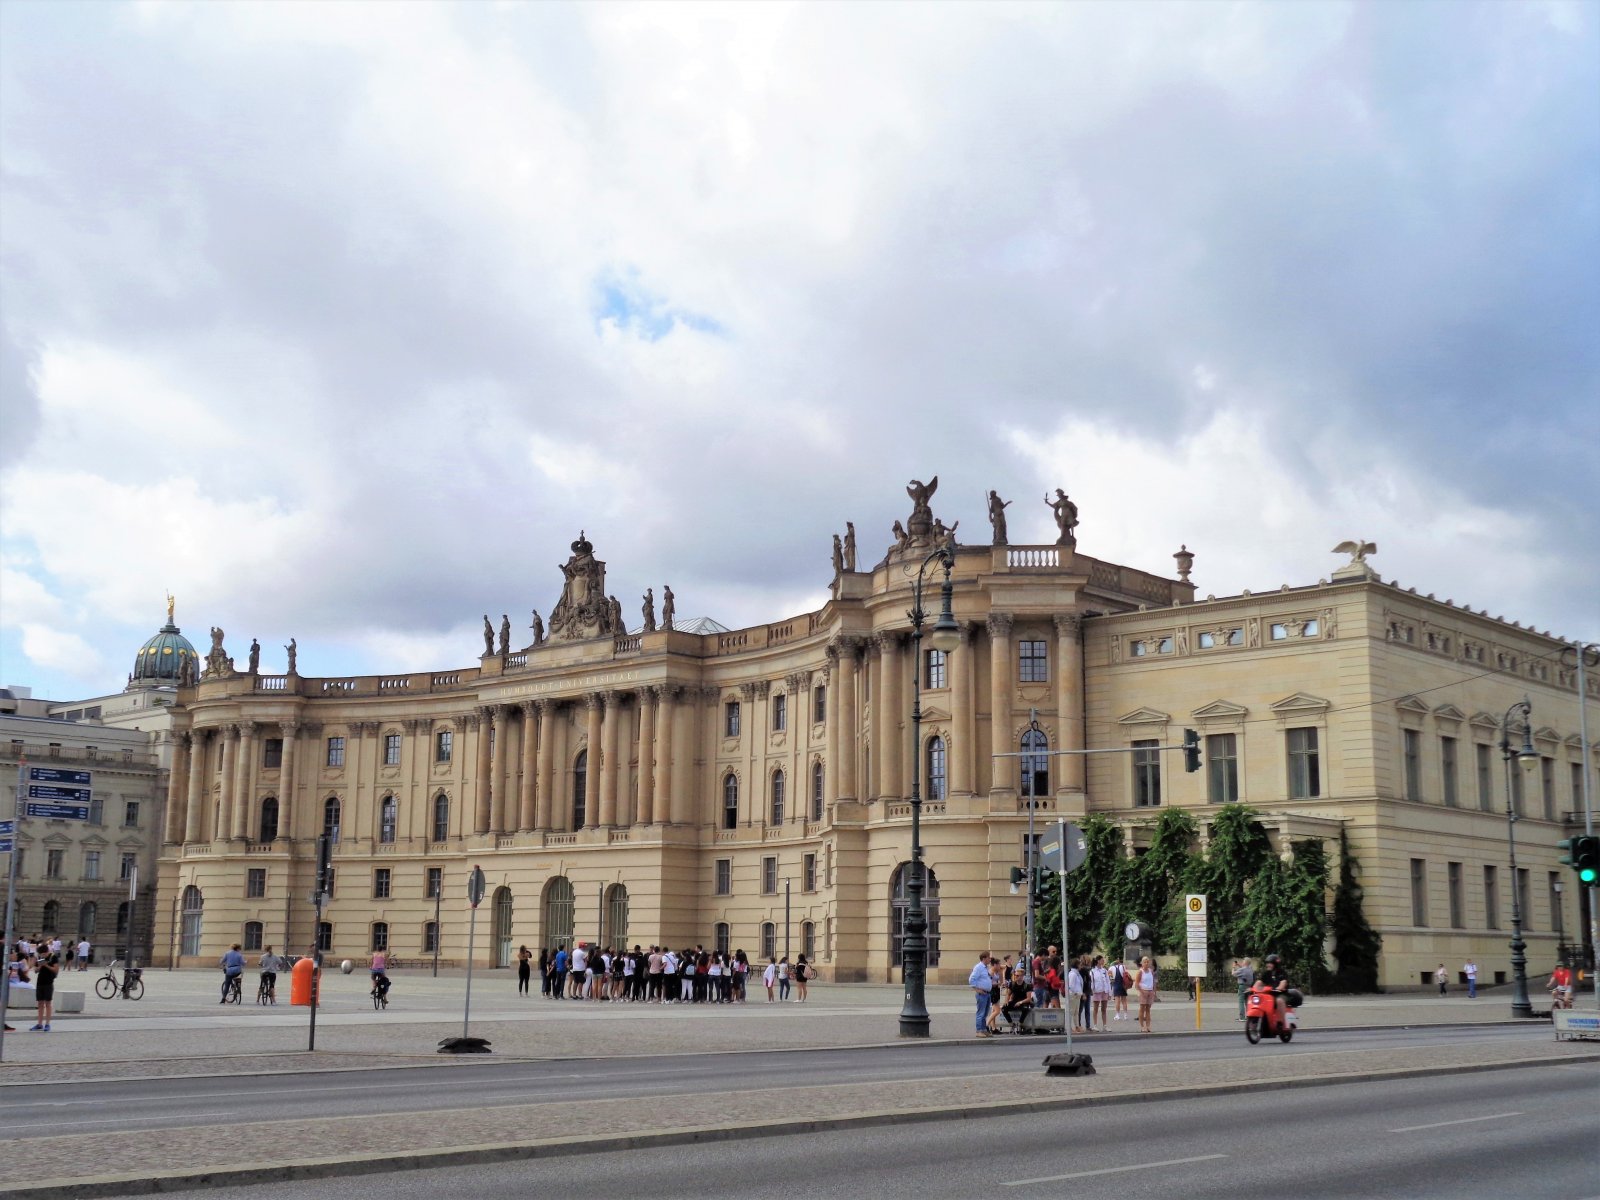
[(339, 321)]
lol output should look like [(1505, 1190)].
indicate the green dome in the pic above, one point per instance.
[(161, 660)]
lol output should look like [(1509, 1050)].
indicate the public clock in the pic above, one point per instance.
[(1131, 931)]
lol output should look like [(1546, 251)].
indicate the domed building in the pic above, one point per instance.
[(163, 660)]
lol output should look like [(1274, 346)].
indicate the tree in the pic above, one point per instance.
[(1355, 943), (1284, 909)]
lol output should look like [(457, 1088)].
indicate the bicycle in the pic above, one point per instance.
[(131, 987), (232, 990), (267, 990), (380, 992)]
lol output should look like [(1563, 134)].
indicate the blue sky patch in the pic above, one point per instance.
[(621, 299)]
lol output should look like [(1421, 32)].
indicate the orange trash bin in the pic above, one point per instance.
[(300, 982)]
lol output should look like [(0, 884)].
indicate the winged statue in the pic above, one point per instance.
[(1357, 550)]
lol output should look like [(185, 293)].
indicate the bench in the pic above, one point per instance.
[(1039, 1020), (21, 996)]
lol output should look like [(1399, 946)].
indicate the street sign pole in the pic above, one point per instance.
[(1194, 917), (475, 886), (11, 893), (324, 856), (1061, 894), (133, 912)]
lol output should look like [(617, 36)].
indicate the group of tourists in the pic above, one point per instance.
[(35, 964), (658, 975), (1093, 991)]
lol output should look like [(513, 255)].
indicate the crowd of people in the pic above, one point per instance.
[(36, 963), (658, 975), (1093, 991)]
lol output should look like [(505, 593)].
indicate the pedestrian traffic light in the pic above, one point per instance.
[(1017, 876), (1191, 750)]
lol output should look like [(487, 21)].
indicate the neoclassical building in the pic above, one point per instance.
[(686, 783)]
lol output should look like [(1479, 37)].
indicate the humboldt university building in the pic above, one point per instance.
[(750, 789)]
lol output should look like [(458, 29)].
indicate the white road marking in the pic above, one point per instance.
[(1462, 1121), (365, 1087), (117, 1120), (1171, 1162)]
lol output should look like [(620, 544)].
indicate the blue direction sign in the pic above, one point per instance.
[(57, 812), (55, 791), (57, 775), (7, 827), (6, 845)]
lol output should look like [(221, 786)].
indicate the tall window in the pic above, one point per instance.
[(769, 940), (52, 863), (769, 875), (1305, 768), (272, 754), (1457, 917), (443, 745), (1412, 743), (1558, 919), (130, 861), (1035, 765), (91, 864), (325, 936), (808, 939), (193, 905), (430, 937), (1491, 897), (818, 781), (382, 882), (1146, 773), (722, 938), (1547, 783), (1485, 778), (435, 882), (899, 902), (580, 788), (1419, 892), (777, 798), (1577, 786), (1447, 771), (269, 820), (52, 916), (1522, 898), (330, 818), (1516, 790), (936, 669), (1032, 664), (253, 934), (88, 913), (1222, 768), (808, 873), (441, 817), (391, 749), (936, 769), (255, 883), (724, 876), (336, 752), (730, 801), (123, 918), (819, 704), (730, 719), (380, 936), (130, 814), (780, 713), (388, 819)]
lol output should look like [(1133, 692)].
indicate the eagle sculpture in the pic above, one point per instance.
[(1357, 550)]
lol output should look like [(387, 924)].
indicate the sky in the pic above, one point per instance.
[(339, 321)]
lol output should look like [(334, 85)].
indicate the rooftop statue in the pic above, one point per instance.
[(649, 608), (920, 526), (1066, 514), (997, 518), (584, 611), (669, 607), (849, 545)]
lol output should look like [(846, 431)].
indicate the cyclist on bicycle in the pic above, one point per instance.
[(232, 968), (380, 976), (270, 965)]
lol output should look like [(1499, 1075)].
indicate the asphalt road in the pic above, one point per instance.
[(1531, 1133), (34, 1110)]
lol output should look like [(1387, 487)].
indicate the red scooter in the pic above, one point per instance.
[(1261, 1014)]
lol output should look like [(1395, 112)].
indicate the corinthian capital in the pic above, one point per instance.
[(999, 624), (1068, 625)]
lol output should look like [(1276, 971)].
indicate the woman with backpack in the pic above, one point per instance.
[(802, 975)]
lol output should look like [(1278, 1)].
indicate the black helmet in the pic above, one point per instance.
[(1273, 960)]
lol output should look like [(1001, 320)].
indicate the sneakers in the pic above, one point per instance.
[(46, 1029), (35, 1028)]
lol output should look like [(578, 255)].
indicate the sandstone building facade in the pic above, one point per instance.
[(750, 788)]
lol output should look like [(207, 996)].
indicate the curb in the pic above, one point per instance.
[(344, 1166)]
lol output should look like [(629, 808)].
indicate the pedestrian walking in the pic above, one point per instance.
[(784, 973), (1244, 974), (770, 977), (83, 954), (1147, 993), (44, 991), (981, 981), (803, 974), (524, 970), (1441, 977), (1471, 972)]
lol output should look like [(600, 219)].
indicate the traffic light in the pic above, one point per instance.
[(1582, 855), (1191, 750), (1017, 876)]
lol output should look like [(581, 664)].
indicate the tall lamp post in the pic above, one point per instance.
[(946, 637), (1527, 758)]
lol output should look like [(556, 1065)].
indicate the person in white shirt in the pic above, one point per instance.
[(1099, 992), (669, 976), (770, 977), (981, 981), (83, 955), (1075, 997), (1471, 972), (580, 972)]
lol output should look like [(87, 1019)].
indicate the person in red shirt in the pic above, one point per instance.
[(1560, 987)]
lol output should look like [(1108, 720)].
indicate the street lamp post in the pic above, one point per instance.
[(914, 948), (1527, 758)]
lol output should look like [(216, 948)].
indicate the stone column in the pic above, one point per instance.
[(886, 716), (230, 759), (497, 779), (872, 708), (798, 781), (1000, 689), (647, 750), (831, 740), (544, 791), (591, 779), (526, 811), (964, 746), (287, 800), (177, 788), (1069, 701), (194, 805), (482, 810), (610, 739), (244, 794), (666, 742), (846, 745), (682, 757)]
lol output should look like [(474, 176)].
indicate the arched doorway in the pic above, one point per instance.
[(501, 935), (558, 913), (899, 900), (192, 905), (616, 934)]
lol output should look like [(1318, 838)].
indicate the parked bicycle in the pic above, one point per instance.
[(131, 985)]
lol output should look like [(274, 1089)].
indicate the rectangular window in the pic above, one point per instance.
[(91, 864), (1522, 899), (936, 669), (1491, 898), (97, 810), (724, 876), (325, 937), (336, 752), (435, 882), (1305, 770), (380, 936), (1547, 785), (329, 881), (1485, 777), (1447, 771), (819, 705), (730, 719), (253, 933), (1457, 919), (1419, 892), (808, 873), (255, 883), (1516, 790), (130, 814), (130, 862), (444, 743), (52, 863), (391, 749), (1412, 742), (1146, 773), (430, 938), (1577, 787), (1032, 665), (1558, 919), (381, 881), (769, 875), (272, 754), (780, 713), (1222, 768)]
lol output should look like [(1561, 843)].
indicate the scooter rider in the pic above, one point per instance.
[(1275, 979)]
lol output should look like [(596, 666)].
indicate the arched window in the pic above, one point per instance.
[(380, 936), (122, 918), (722, 937), (52, 916), (730, 801), (388, 819), (1035, 765), (86, 919), (777, 798), (899, 901), (808, 939), (269, 820), (580, 788), (818, 779), (253, 935), (325, 937), (441, 817), (769, 940), (192, 905), (330, 818), (936, 779), (500, 931), (558, 913)]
